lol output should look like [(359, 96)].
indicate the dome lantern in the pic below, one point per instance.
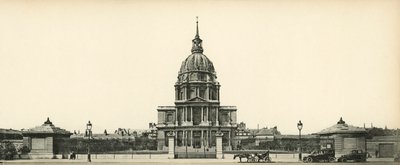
[(196, 46)]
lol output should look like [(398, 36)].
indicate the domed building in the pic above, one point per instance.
[(197, 115)]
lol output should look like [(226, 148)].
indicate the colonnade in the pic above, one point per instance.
[(186, 114)]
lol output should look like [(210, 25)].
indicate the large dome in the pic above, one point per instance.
[(197, 62)]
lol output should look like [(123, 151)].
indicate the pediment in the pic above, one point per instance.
[(197, 99)]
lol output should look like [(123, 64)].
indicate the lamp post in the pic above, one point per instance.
[(89, 135), (300, 126)]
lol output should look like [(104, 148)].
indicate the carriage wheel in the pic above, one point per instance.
[(309, 160), (344, 160), (269, 159), (331, 159), (255, 159)]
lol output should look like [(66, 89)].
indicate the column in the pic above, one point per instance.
[(216, 114), (218, 138), (218, 94), (191, 114), (176, 93), (206, 138), (229, 138), (207, 93), (202, 115), (176, 116), (209, 138), (201, 139), (171, 145), (229, 117), (185, 117), (186, 93), (184, 138), (191, 138), (207, 109)]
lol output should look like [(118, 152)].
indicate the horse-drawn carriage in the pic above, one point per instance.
[(254, 157)]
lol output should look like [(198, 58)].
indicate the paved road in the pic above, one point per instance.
[(172, 162)]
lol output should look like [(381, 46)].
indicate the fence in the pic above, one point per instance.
[(116, 155)]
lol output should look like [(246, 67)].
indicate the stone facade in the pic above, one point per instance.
[(343, 138), (197, 115)]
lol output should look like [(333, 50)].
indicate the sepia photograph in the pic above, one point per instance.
[(199, 82)]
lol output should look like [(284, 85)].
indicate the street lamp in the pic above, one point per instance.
[(300, 126), (89, 135)]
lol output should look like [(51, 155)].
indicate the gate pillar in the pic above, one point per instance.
[(171, 145), (218, 146)]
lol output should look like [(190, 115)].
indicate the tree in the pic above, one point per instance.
[(7, 151)]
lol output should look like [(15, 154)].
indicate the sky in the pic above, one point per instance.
[(113, 62)]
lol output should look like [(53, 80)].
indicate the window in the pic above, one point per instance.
[(193, 93), (193, 77), (202, 93), (169, 117), (181, 95)]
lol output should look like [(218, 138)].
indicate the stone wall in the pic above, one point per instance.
[(41, 148)]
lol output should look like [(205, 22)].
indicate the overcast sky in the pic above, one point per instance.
[(114, 62)]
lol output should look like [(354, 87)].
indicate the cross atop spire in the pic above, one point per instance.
[(196, 46)]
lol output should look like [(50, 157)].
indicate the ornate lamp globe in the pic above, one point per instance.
[(299, 125), (89, 125)]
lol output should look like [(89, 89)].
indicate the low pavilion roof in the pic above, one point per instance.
[(342, 128), (46, 128)]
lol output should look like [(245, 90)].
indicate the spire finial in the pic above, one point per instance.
[(197, 27), (48, 121), (341, 121)]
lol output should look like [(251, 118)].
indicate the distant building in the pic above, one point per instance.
[(242, 132), (120, 133), (264, 134), (197, 115), (105, 137), (152, 132), (343, 138), (260, 135), (383, 146)]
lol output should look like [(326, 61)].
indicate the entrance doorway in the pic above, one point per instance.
[(196, 139)]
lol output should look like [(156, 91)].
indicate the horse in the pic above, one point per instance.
[(241, 156)]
